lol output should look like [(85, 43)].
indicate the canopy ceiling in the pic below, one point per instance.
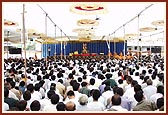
[(85, 20)]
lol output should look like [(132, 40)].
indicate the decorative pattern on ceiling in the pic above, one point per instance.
[(158, 23), (87, 22), (10, 23), (88, 8)]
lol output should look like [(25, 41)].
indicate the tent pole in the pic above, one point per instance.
[(138, 43), (55, 43), (24, 37), (46, 35), (124, 42), (61, 44)]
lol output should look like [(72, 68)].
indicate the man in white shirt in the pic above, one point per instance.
[(95, 105), (52, 105), (149, 90), (83, 101), (159, 94)]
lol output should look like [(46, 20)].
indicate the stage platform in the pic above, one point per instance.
[(87, 54)]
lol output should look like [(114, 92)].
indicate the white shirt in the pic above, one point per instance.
[(101, 100), (118, 108), (149, 91), (38, 94), (83, 108), (96, 106), (154, 97), (129, 94), (77, 94), (50, 107), (92, 87), (107, 95), (6, 106), (74, 100), (44, 102)]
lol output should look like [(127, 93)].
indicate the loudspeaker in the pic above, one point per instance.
[(15, 51)]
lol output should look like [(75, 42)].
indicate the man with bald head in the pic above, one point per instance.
[(116, 103), (70, 106)]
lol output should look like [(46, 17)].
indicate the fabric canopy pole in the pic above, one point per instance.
[(114, 44), (124, 41), (55, 44), (64, 49), (108, 46), (138, 42), (24, 37), (61, 44), (46, 35)]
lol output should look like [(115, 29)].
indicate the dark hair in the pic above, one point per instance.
[(133, 83), (38, 77), (84, 77), (143, 72), (22, 83), (21, 105), (70, 76), (116, 99), (55, 99), (61, 81), (59, 74), (146, 78), (83, 84), (138, 96), (129, 79), (79, 79), (50, 93), (70, 93), (108, 76), (37, 87), (30, 87), (120, 81), (119, 91), (160, 89), (137, 74), (6, 92), (12, 83), (27, 95), (72, 82), (160, 102), (96, 94), (60, 106), (137, 88), (35, 105), (76, 86), (115, 89), (92, 81), (53, 77)]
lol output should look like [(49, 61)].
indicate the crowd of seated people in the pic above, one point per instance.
[(88, 84)]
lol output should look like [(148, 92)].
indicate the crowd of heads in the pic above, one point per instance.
[(84, 84)]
